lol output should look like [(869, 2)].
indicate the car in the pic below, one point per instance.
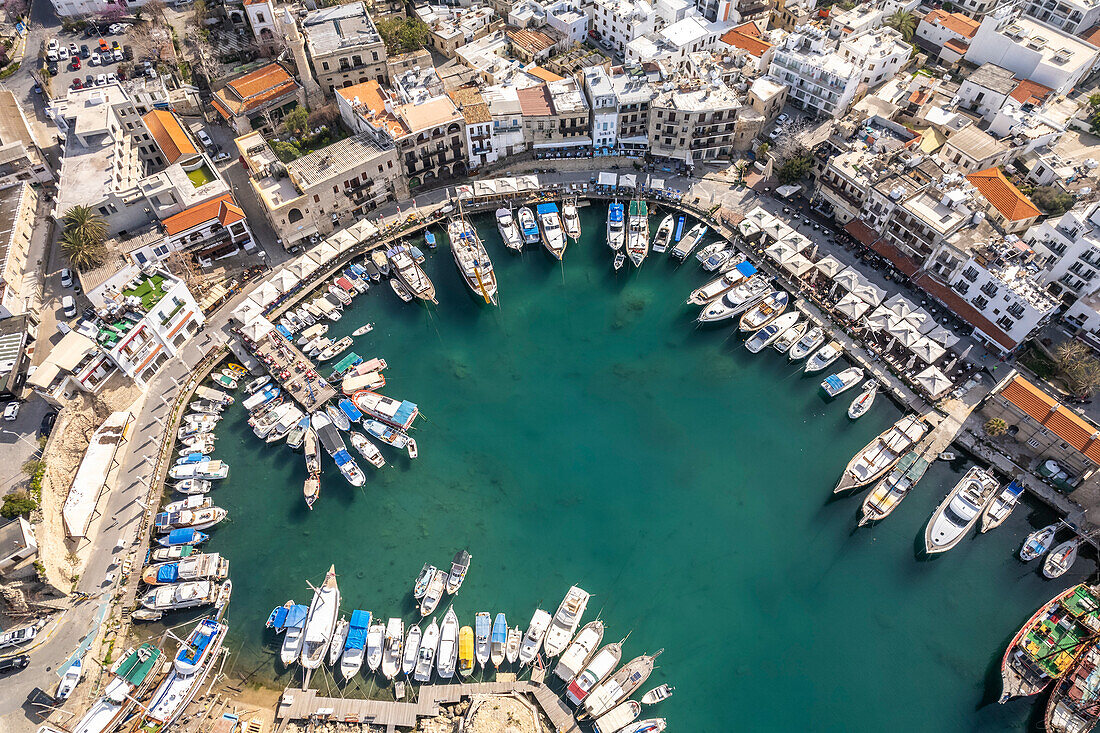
[(11, 411), (51, 69), (53, 45), (117, 55), (74, 50), (51, 55), (150, 70), (774, 134), (62, 54), (94, 60), (68, 306), (14, 664), (805, 222), (84, 52), (222, 157), (66, 278), (204, 139), (74, 65), (47, 423), (103, 45), (100, 80), (37, 88), (116, 29), (89, 81), (77, 84), (105, 58), (783, 119), (112, 79)]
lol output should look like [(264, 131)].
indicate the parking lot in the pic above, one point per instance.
[(19, 440), (93, 57)]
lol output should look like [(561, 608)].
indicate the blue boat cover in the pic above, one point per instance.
[(615, 211), (1014, 488), (357, 630), (184, 537), (834, 382), (746, 268), (416, 252), (350, 410), (196, 643), (547, 208), (500, 629), (341, 457), (295, 617), (192, 458), (404, 412), (429, 238), (283, 330), (168, 573), (679, 229)]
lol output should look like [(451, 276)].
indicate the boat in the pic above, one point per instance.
[(423, 580), (472, 260), (194, 502), (287, 421), (766, 311), (459, 565), (333, 350), (297, 434), (165, 522), (339, 636), (679, 229), (214, 395), (293, 627), (649, 725), (565, 621), (616, 230), (340, 294), (770, 332), (876, 458), (1045, 646), (338, 418), (203, 566), (619, 686), (637, 232), (351, 659), (532, 640), (429, 642), (552, 236), (790, 336), (321, 621), (596, 671), (400, 290), (192, 486), (224, 380), (349, 409), (842, 381), (720, 286), (892, 488), (266, 394), (447, 657), (433, 593), (412, 650), (129, 680), (511, 647), (483, 625), (178, 537), (997, 511), (181, 595), (1061, 558), (959, 510), (809, 341), (498, 640), (355, 382), (663, 237), (391, 436), (376, 641), (411, 275), (372, 270), (465, 651), (397, 413), (717, 259), (311, 449), (363, 330), (578, 653), (378, 257), (394, 644), (69, 680), (1038, 542), (618, 717), (349, 469), (528, 226), (236, 369), (618, 261), (863, 401), (823, 357), (208, 469), (264, 424), (657, 694), (690, 241), (1074, 704), (203, 407), (713, 248), (190, 669), (509, 232), (166, 554), (570, 220), (737, 300), (429, 239), (946, 456), (367, 449)]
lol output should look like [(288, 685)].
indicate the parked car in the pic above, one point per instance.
[(66, 278), (11, 411), (103, 45), (62, 54), (47, 423), (94, 60), (112, 79), (51, 68), (127, 53), (205, 139), (14, 664), (84, 52), (77, 84), (68, 306), (221, 157), (74, 65), (74, 50), (100, 80), (116, 29), (89, 81), (51, 55), (52, 45), (783, 119), (117, 54)]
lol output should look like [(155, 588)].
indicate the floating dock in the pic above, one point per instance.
[(294, 372)]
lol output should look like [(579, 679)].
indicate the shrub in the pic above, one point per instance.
[(1052, 200), (17, 503)]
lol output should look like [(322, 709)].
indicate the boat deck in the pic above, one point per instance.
[(279, 356), (296, 704)]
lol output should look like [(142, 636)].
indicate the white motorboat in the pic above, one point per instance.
[(321, 621), (459, 567), (69, 680), (367, 449), (790, 337), (528, 226), (363, 330), (394, 643), (293, 628), (447, 657), (181, 595), (570, 220), (717, 288), (420, 585), (863, 401), (578, 653), (998, 510), (959, 510), (618, 261), (769, 333), (1038, 542), (200, 566), (657, 694), (339, 636), (334, 349), (637, 232), (509, 230), (483, 629), (766, 311), (425, 659), (842, 381), (876, 458), (355, 646), (649, 725), (711, 249), (192, 486), (205, 518), (1061, 558), (616, 226), (736, 301), (823, 357), (260, 382), (208, 470), (565, 621), (376, 640), (532, 640), (553, 238), (436, 587), (412, 650), (807, 343), (595, 672), (663, 237), (718, 259), (619, 686), (690, 241), (511, 647)]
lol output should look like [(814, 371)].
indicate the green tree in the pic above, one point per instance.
[(17, 503), (1052, 200), (795, 169), (287, 151), (1077, 367), (403, 34), (762, 150), (83, 238), (297, 120), (904, 23), (995, 426)]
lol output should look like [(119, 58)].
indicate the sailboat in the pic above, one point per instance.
[(482, 631), (596, 671), (637, 234), (571, 222), (1038, 542), (321, 621), (1061, 558), (879, 456), (578, 653), (498, 639), (509, 231), (889, 491), (410, 274), (190, 668), (663, 237), (959, 510), (997, 511), (616, 232), (863, 401), (471, 258), (565, 621), (619, 686)]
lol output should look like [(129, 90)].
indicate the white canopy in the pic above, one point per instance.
[(748, 227), (628, 180), (847, 279), (933, 381), (266, 294), (363, 229), (796, 240), (248, 310), (657, 184), (508, 184), (776, 229), (879, 320), (941, 335), (905, 334), (343, 240), (527, 183), (485, 188), (829, 266), (869, 292), (284, 280), (257, 329), (779, 252), (326, 250), (797, 264), (464, 191), (927, 350), (607, 179), (303, 267), (317, 257), (851, 306)]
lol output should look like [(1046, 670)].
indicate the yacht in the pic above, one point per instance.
[(769, 333), (532, 640), (766, 311), (842, 381), (472, 260), (566, 621), (410, 274), (190, 668), (528, 226), (616, 233), (663, 237), (619, 686), (738, 300), (571, 222), (595, 672), (637, 234), (578, 653), (321, 621), (882, 453), (720, 286), (823, 357), (959, 511), (181, 595), (998, 510), (790, 337), (553, 238), (509, 231), (890, 491)]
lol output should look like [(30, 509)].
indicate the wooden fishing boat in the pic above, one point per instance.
[(511, 648), (890, 490), (882, 453), (433, 594), (1038, 542), (472, 259), (311, 490), (459, 566), (580, 651), (1074, 705), (420, 585), (997, 511), (1061, 558), (863, 401), (619, 686), (465, 651), (657, 694)]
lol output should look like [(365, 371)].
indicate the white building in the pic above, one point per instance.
[(261, 18), (820, 80), (615, 23), (507, 116), (604, 106), (568, 19), (879, 55), (635, 89), (677, 41), (1072, 16), (1069, 249), (1007, 295)]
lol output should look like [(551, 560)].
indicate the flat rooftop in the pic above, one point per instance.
[(342, 155), (340, 26)]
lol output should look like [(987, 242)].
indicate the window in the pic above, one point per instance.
[(990, 289), (980, 302), (324, 65), (294, 215), (1016, 310), (970, 274), (1033, 443), (1005, 323), (962, 288)]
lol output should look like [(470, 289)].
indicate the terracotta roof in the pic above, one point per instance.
[(919, 96), (531, 41), (747, 37), (1055, 417), (862, 233), (957, 46), (169, 135), (954, 22), (1030, 92), (535, 101), (1004, 196), (372, 105), (253, 90), (1092, 35), (223, 208), (545, 74)]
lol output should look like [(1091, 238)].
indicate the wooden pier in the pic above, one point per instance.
[(292, 370), (308, 705)]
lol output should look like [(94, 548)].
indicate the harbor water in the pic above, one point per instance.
[(588, 432)]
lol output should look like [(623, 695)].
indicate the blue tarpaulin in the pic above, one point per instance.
[(833, 382), (500, 629), (746, 268), (341, 457), (295, 617), (350, 410), (357, 630), (283, 330), (547, 208), (405, 413), (183, 537), (679, 229), (168, 573)]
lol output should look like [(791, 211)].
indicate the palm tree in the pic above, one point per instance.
[(996, 426), (904, 23), (85, 233)]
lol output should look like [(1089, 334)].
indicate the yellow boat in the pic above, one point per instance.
[(465, 651), (237, 368)]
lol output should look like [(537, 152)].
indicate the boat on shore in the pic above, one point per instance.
[(736, 300), (355, 644), (570, 220), (321, 621), (447, 656), (998, 510), (128, 681), (565, 621), (1038, 542), (892, 488), (460, 564), (411, 275), (842, 381), (616, 227), (691, 240), (472, 260), (1074, 704), (863, 401), (393, 644), (498, 640), (69, 680), (959, 511), (429, 642), (663, 238), (876, 458), (619, 686), (1061, 558), (577, 654), (190, 668), (367, 449), (720, 286), (532, 640), (637, 233), (509, 230), (596, 671), (1045, 646), (766, 311), (553, 238)]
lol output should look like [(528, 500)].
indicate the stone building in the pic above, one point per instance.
[(344, 46)]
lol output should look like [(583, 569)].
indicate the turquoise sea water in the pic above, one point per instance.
[(588, 432)]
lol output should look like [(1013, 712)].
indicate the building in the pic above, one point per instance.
[(568, 19), (767, 98), (845, 183), (747, 40), (265, 27), (1031, 50), (878, 55), (635, 89), (479, 127), (490, 58), (533, 46), (259, 99), (615, 23), (1010, 211), (18, 211), (75, 364), (1045, 429), (697, 122), (311, 196), (507, 116), (604, 105), (1072, 16), (555, 116), (20, 157), (402, 62), (212, 230), (725, 11), (344, 47), (819, 80), (948, 35), (984, 91), (451, 27), (17, 546), (971, 149), (1068, 249), (675, 42), (84, 8), (789, 14)]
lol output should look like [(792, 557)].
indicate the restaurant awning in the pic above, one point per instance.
[(303, 267), (797, 240), (851, 306), (326, 251), (607, 179), (464, 191), (246, 311), (829, 266), (904, 334), (847, 279), (656, 184), (266, 294), (933, 381), (942, 336), (779, 252), (748, 228), (343, 240), (257, 329), (284, 280), (869, 292), (527, 183), (927, 350), (507, 185), (879, 320), (798, 264), (628, 180), (485, 188)]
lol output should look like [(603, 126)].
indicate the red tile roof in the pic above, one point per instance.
[(1030, 92), (223, 208), (1055, 417), (1004, 196), (169, 135), (535, 101), (254, 89), (954, 22), (959, 47), (1092, 35), (862, 233), (747, 37)]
